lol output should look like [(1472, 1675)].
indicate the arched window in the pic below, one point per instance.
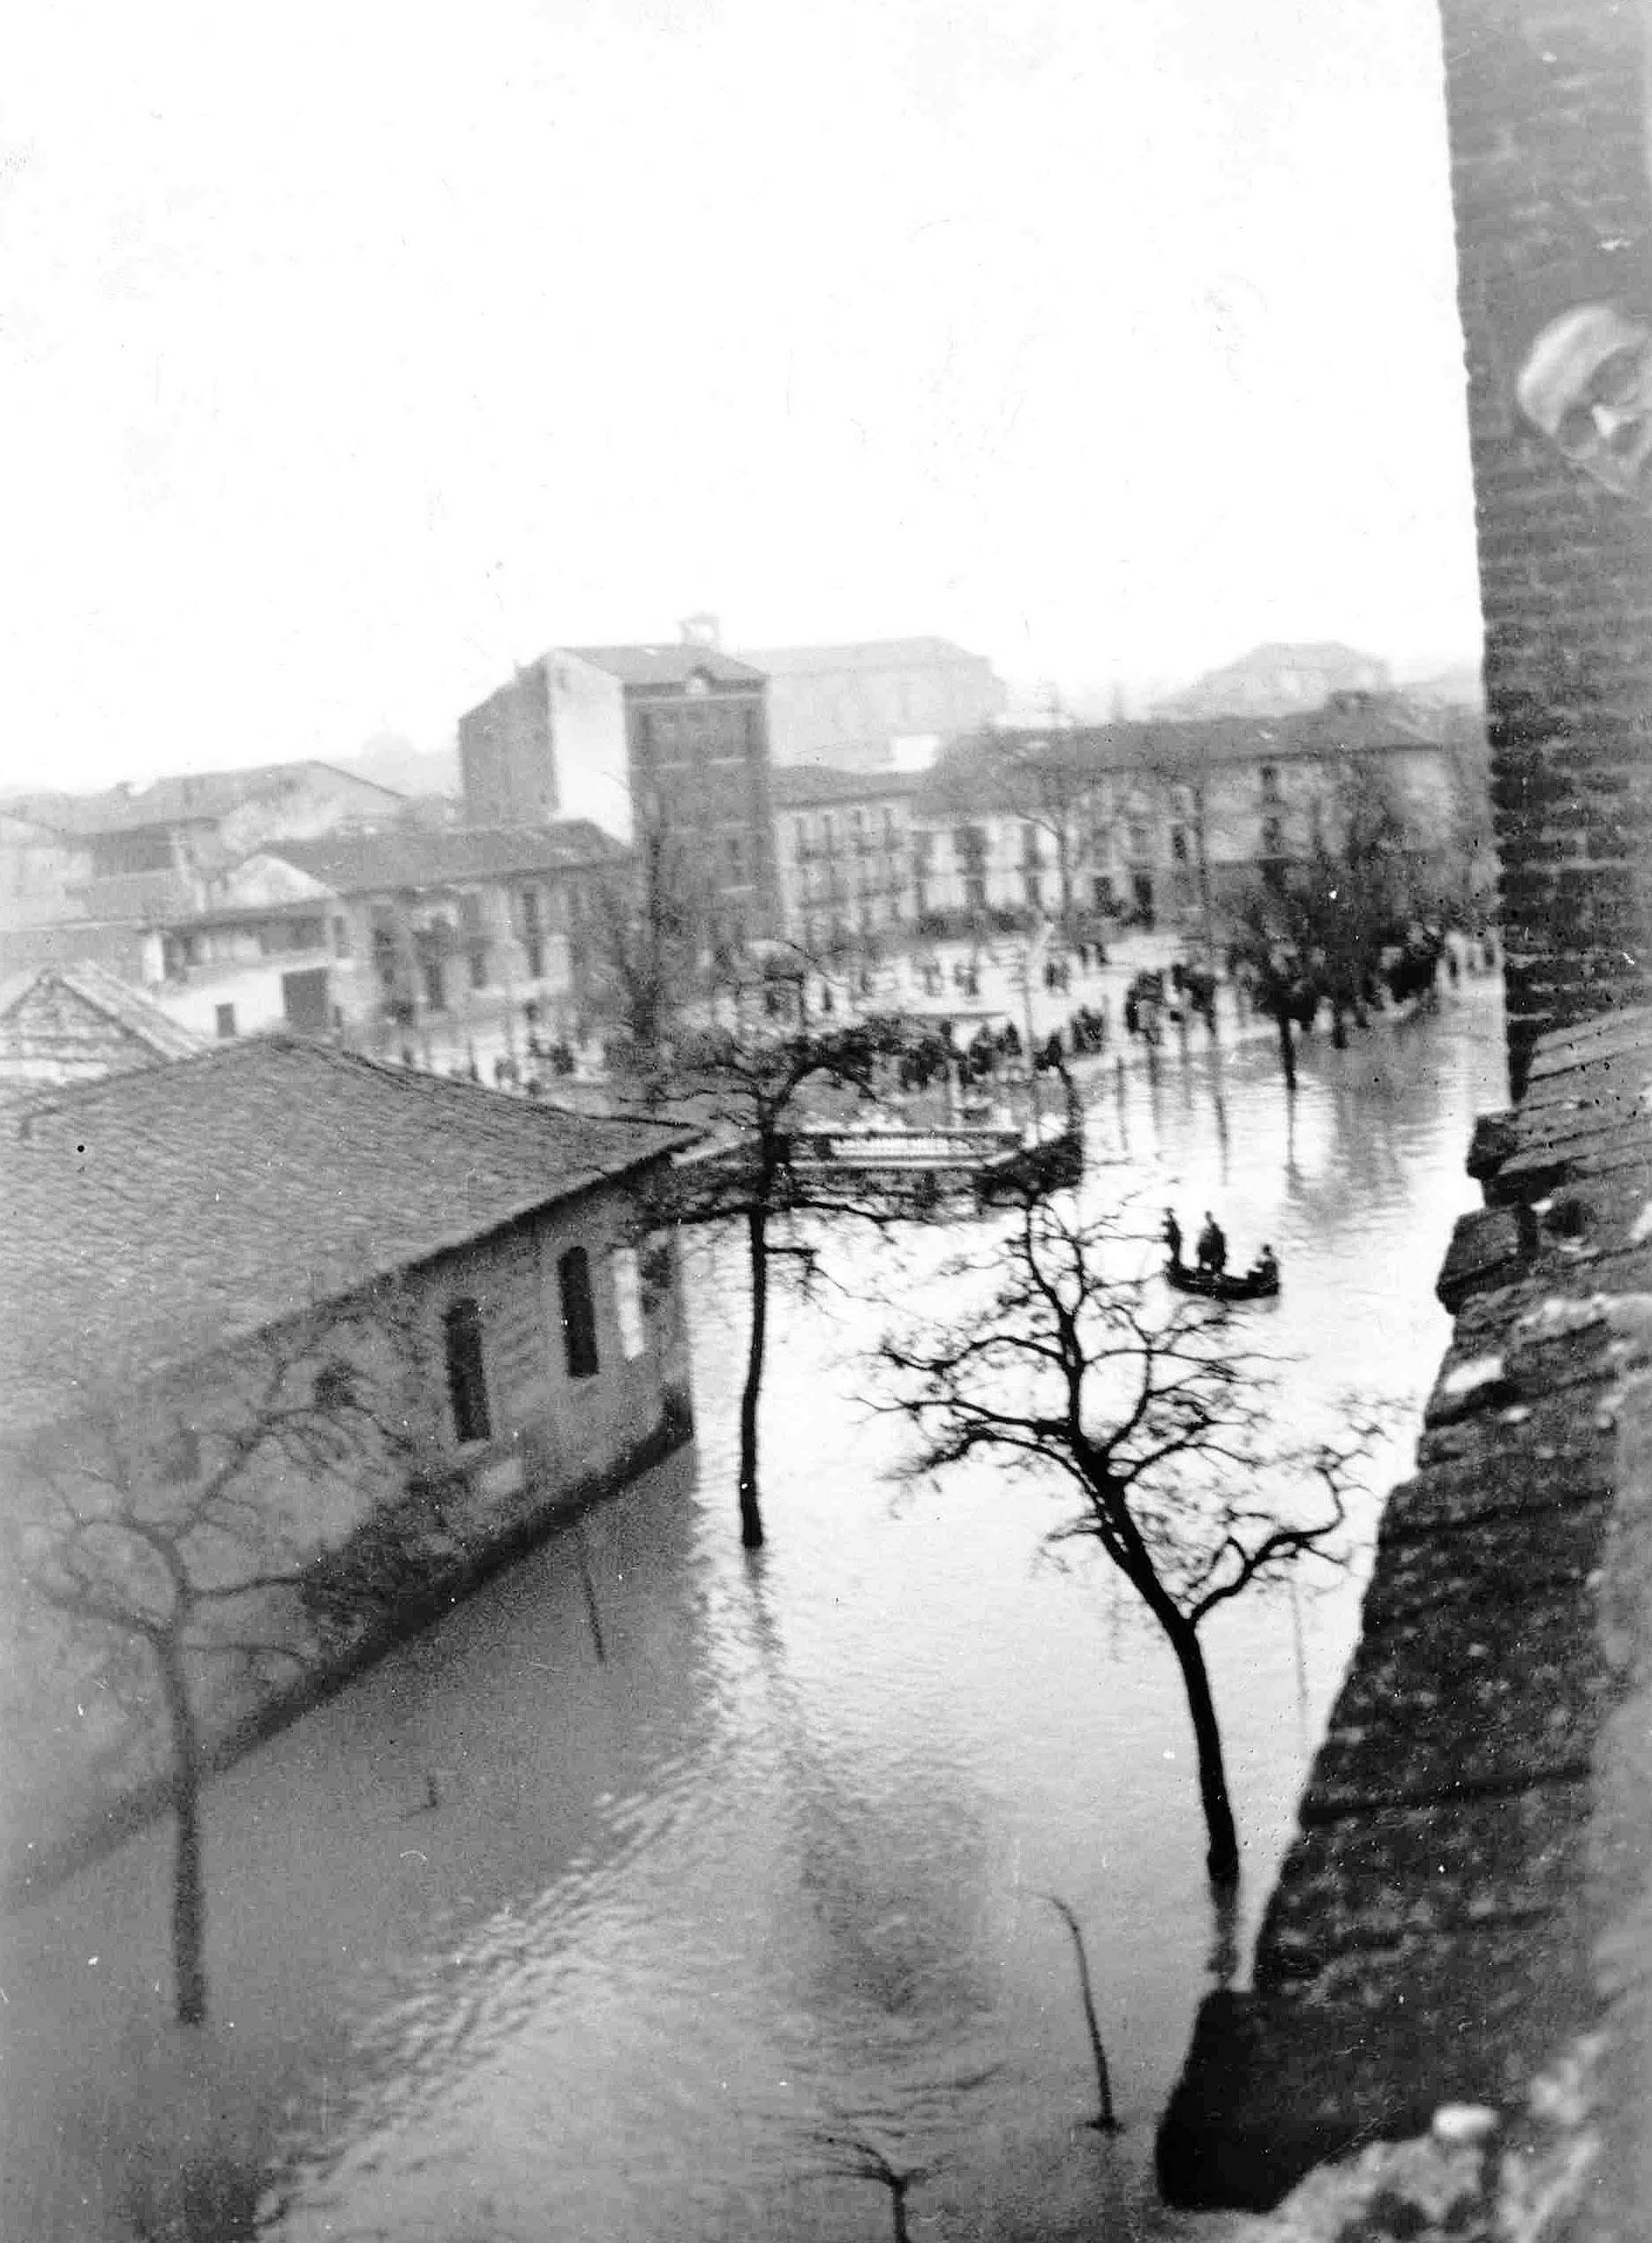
[(467, 1374), (579, 1313)]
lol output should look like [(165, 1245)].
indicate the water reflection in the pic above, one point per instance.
[(772, 1871)]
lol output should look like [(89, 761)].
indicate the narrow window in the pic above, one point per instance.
[(467, 1374), (341, 938), (224, 1016), (579, 1313)]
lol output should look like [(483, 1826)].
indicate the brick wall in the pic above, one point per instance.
[(1547, 104)]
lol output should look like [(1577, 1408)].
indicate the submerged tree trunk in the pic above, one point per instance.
[(751, 1515), (1222, 1855), (188, 1888)]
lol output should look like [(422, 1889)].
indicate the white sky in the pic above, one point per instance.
[(348, 353)]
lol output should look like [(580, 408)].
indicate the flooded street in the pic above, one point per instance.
[(512, 1939)]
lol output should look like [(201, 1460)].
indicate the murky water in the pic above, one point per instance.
[(687, 1923)]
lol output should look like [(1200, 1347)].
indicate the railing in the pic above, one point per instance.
[(904, 1148)]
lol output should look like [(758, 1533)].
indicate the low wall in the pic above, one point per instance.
[(1467, 1901), (427, 1593)]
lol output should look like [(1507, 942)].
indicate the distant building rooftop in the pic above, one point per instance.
[(188, 798), (669, 664), (800, 786), (135, 1017), (158, 1216), (353, 863), (863, 654)]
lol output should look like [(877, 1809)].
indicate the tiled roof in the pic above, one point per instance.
[(102, 992), (402, 858), (800, 786), (184, 797), (863, 654), (668, 665), (153, 1218)]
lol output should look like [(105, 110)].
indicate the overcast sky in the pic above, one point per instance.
[(349, 353)]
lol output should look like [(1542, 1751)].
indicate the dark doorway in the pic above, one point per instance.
[(304, 1002)]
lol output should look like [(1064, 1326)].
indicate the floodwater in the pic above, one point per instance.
[(516, 1940)]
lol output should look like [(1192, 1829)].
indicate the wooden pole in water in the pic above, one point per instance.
[(1106, 2121)]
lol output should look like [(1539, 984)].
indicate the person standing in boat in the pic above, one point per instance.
[(1173, 1237), (1212, 1246)]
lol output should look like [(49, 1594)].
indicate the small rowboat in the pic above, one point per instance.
[(1251, 1285)]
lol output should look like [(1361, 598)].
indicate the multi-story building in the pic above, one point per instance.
[(843, 850), (876, 704), (94, 876), (673, 735), (1161, 818), (431, 942)]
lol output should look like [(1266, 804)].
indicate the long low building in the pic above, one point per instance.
[(1161, 820), (300, 1328)]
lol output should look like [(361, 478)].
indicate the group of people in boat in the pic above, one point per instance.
[(1210, 1256)]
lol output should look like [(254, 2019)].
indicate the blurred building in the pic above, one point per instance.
[(1275, 680), (72, 1024), (844, 854), (674, 735), (876, 704), (429, 942)]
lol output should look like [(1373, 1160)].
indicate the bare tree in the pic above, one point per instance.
[(184, 1533), (856, 2157), (1049, 780), (1064, 1367), (749, 1089), (648, 941)]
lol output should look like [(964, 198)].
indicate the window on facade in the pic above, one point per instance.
[(533, 933), (828, 831), (341, 938), (579, 1313), (467, 1373), (1179, 843), (224, 1021), (627, 1283), (1273, 838), (1270, 782), (734, 855), (800, 837)]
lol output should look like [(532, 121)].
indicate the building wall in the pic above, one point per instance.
[(553, 1439), (845, 867), (700, 761), (306, 803), (587, 737), (39, 875), (490, 955), (1547, 109), (851, 714), (506, 768)]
